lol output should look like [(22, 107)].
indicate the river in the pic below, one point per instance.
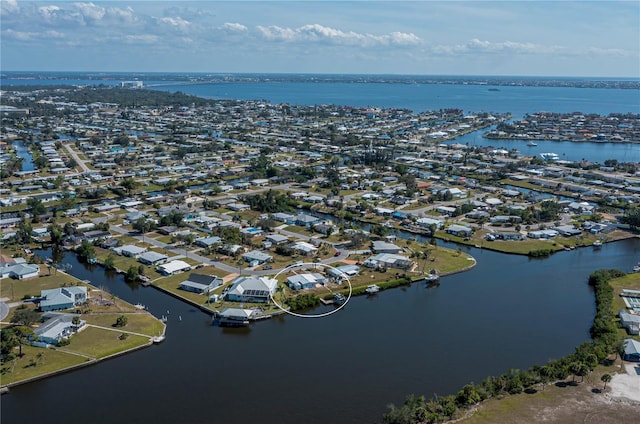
[(508, 312)]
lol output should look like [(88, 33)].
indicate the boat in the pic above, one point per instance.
[(549, 156), (493, 89), (637, 267), (372, 289), (532, 143), (139, 306), (597, 244), (339, 299), (431, 278)]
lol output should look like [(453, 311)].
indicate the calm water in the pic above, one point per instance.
[(566, 150), (23, 152), (508, 312)]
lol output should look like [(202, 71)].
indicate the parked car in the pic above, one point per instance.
[(337, 253)]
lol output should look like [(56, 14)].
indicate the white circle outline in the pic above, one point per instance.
[(315, 264)]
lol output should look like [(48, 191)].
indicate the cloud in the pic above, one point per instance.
[(319, 33), (28, 36), (235, 27), (90, 11), (486, 47), (9, 6)]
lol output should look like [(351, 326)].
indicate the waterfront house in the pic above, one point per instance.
[(173, 267), (305, 220), (132, 251), (20, 271), (199, 283), (55, 328), (62, 298), (306, 281), (459, 230), (343, 270), (251, 289), (152, 258), (388, 260)]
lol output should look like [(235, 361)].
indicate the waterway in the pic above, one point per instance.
[(22, 151), (508, 312), (566, 150)]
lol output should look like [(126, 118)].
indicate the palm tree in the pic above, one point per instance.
[(605, 379)]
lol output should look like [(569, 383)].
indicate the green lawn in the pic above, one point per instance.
[(15, 290), (98, 342), (139, 322), (31, 365)]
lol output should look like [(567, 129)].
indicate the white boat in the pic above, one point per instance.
[(532, 143), (339, 299), (549, 156), (372, 289), (139, 306), (597, 244), (636, 268)]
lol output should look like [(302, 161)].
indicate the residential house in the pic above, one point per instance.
[(252, 289), (199, 283), (132, 251), (306, 281), (62, 298), (459, 230), (152, 258), (207, 241), (631, 350), (305, 220), (630, 322), (344, 270), (55, 328), (379, 246), (304, 248), (388, 260), (20, 271), (257, 257), (173, 267)]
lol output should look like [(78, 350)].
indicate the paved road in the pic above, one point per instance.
[(4, 309), (75, 157)]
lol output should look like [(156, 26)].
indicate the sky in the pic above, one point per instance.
[(533, 38)]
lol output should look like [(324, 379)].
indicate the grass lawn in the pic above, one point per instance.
[(138, 322), (51, 360), (15, 290), (98, 342), (630, 281)]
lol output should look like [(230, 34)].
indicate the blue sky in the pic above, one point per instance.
[(549, 38)]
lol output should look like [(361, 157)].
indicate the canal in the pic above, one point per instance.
[(22, 151), (508, 312)]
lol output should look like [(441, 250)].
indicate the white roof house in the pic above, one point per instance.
[(305, 281), (388, 260), (252, 289), (173, 267)]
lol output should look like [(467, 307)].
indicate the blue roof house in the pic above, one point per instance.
[(62, 298)]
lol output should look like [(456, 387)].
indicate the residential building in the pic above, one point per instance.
[(252, 289), (62, 298), (199, 283), (173, 267)]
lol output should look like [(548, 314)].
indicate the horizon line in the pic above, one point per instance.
[(2, 72)]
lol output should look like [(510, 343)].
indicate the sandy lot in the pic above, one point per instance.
[(626, 385)]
